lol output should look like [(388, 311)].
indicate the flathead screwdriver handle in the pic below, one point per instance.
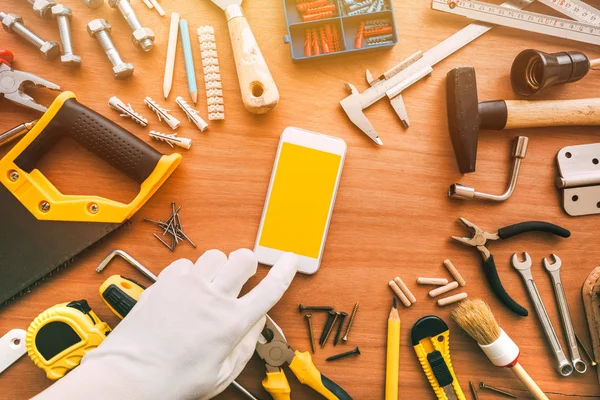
[(259, 92)]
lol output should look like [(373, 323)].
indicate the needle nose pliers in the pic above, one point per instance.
[(480, 238), (273, 348)]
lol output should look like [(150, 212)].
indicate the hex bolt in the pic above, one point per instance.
[(495, 389), (343, 355), (141, 37), (302, 308), (63, 16), (93, 3), (310, 332), (13, 23), (100, 29), (43, 8), (330, 316), (342, 317), (354, 311)]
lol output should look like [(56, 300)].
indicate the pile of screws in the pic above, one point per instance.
[(358, 7), (172, 227), (322, 40), (332, 318), (314, 10), (376, 32)]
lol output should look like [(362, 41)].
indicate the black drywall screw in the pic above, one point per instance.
[(302, 308), (342, 317), (335, 318), (310, 331), (473, 390), (346, 354), (330, 316)]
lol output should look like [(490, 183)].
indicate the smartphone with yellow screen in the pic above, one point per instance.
[(300, 199)]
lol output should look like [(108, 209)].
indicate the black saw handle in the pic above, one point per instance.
[(489, 267), (532, 226)]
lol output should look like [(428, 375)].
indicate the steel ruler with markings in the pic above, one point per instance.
[(585, 29)]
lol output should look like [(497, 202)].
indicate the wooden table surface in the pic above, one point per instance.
[(392, 216)]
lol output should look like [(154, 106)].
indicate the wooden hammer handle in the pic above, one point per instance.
[(259, 92), (531, 114)]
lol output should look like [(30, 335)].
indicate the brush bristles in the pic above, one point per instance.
[(476, 318)]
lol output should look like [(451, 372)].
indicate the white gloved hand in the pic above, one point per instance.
[(188, 337)]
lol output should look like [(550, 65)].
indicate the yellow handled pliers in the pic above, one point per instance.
[(273, 348)]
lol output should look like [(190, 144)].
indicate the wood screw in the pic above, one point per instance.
[(345, 338), (310, 332), (343, 355), (495, 389)]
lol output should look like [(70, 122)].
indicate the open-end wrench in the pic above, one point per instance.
[(565, 368), (559, 291)]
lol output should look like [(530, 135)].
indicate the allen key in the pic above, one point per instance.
[(458, 191)]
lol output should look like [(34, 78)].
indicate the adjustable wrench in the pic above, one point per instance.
[(565, 368), (559, 291)]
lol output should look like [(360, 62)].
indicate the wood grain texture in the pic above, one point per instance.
[(534, 114), (392, 216)]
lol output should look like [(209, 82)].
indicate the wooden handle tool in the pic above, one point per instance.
[(531, 114), (259, 92)]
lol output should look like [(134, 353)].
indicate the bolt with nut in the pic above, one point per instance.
[(63, 16), (100, 29), (13, 23), (93, 3), (43, 8), (142, 37)]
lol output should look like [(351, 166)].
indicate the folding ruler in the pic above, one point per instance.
[(586, 31), (392, 82)]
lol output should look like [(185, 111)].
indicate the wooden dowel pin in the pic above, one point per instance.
[(405, 289), (451, 299), (432, 281), (443, 289), (400, 294), (452, 269)]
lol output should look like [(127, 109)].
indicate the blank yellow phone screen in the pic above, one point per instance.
[(301, 194)]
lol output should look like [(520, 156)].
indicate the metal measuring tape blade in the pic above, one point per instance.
[(524, 20)]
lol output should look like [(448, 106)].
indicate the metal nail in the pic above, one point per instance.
[(495, 389)]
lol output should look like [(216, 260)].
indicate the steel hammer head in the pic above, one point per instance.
[(463, 116)]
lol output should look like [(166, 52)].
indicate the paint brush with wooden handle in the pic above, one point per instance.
[(259, 92), (476, 318)]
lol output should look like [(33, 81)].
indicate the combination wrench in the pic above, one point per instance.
[(559, 291), (565, 368)]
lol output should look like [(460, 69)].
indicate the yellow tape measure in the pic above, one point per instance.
[(59, 337), (431, 340)]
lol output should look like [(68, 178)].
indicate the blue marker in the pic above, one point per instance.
[(189, 60)]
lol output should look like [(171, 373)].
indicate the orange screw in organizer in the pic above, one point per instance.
[(336, 39), (315, 17), (318, 10), (323, 38), (315, 43), (307, 44), (329, 37), (360, 35), (385, 30), (313, 4)]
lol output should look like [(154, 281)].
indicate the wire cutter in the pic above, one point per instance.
[(273, 348), (480, 238), (13, 83)]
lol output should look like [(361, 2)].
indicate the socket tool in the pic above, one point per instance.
[(579, 178), (466, 116), (553, 269), (58, 338), (430, 338), (12, 347), (533, 71), (480, 239), (259, 92), (121, 294), (564, 366), (273, 348), (458, 191), (394, 81), (57, 225), (13, 83)]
